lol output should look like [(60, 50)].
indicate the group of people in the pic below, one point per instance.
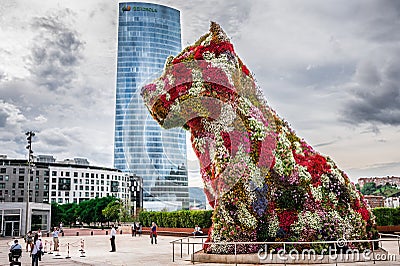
[(33, 243), (136, 229)]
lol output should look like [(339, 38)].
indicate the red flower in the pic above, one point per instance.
[(364, 213), (286, 219), (245, 70), (315, 163)]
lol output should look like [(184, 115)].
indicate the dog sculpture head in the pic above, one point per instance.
[(264, 182), (208, 90)]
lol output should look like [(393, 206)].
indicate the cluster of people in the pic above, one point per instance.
[(136, 229), (33, 245)]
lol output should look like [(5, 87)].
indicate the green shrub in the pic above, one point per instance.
[(177, 219), (387, 216)]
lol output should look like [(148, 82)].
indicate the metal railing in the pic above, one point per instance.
[(186, 241)]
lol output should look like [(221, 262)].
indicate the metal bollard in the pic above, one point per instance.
[(91, 233), (106, 232), (77, 233), (68, 257)]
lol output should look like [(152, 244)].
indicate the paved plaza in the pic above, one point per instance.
[(130, 251)]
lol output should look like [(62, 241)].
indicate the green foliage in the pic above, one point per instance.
[(56, 214), (387, 190), (387, 216), (114, 211), (88, 211), (177, 219), (368, 188)]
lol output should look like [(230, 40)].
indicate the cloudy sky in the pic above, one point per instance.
[(330, 68)]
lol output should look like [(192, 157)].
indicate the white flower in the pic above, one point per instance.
[(317, 192)]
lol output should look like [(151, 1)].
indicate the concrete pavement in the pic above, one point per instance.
[(130, 251)]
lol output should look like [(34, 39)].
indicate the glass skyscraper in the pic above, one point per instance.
[(147, 35)]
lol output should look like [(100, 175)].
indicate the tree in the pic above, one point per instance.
[(56, 214), (368, 188), (115, 211)]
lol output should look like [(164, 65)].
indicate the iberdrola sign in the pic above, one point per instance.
[(138, 8)]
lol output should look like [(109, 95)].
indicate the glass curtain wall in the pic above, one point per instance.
[(147, 35)]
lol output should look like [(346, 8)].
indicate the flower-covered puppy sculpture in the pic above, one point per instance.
[(263, 181)]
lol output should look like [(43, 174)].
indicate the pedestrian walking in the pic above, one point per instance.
[(28, 240), (36, 250), (55, 238)]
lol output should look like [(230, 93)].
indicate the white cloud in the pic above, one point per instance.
[(313, 59)]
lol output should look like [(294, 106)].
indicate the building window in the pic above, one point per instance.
[(53, 194), (22, 192), (37, 179), (60, 200), (53, 173), (13, 185), (75, 181), (36, 193), (2, 185), (20, 185), (75, 174), (80, 187), (67, 193), (86, 194), (53, 200), (20, 199), (21, 178), (37, 186), (46, 173), (54, 187), (54, 180), (6, 178), (14, 171), (21, 170), (66, 173), (64, 184)]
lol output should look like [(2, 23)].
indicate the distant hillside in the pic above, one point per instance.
[(386, 191), (197, 196)]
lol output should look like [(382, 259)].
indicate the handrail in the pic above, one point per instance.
[(182, 242)]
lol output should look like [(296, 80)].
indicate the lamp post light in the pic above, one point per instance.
[(29, 135)]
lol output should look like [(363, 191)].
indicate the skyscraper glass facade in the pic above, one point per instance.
[(147, 35)]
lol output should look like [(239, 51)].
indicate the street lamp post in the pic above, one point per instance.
[(29, 135)]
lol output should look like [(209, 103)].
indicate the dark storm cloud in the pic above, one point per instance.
[(376, 95), (56, 53)]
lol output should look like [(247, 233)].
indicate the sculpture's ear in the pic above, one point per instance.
[(218, 33)]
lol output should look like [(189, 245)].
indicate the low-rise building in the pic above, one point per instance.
[(375, 201), (392, 202), (68, 181), (393, 180)]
